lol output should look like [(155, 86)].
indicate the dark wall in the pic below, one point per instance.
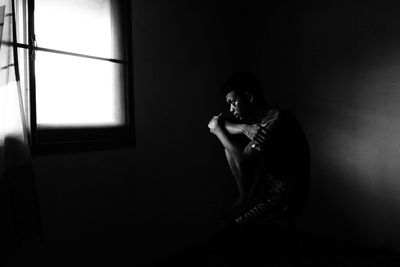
[(334, 63)]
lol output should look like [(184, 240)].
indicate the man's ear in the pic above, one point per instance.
[(249, 97)]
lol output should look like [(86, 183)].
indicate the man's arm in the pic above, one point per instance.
[(238, 154), (255, 132), (234, 128)]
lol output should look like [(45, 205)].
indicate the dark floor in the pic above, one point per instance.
[(273, 245), (307, 252), (311, 253)]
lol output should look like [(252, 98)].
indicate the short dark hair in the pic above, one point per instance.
[(242, 82)]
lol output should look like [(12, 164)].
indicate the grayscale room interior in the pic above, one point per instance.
[(113, 130)]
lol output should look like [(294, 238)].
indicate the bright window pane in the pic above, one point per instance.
[(79, 26), (74, 91), (21, 10)]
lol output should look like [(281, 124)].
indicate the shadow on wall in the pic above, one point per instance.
[(19, 208)]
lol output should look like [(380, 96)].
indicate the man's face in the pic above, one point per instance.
[(239, 105)]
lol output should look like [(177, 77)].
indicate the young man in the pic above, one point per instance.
[(271, 164)]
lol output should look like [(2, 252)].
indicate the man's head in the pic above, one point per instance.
[(243, 93)]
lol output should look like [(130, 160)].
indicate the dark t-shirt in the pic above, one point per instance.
[(279, 169)]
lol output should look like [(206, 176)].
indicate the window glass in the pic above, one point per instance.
[(75, 91), (84, 27)]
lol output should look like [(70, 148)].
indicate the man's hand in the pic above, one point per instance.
[(255, 132), (215, 124)]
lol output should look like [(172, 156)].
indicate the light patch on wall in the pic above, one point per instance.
[(358, 122)]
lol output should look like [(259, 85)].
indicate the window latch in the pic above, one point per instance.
[(33, 47)]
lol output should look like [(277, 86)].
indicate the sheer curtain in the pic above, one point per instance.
[(13, 137), (17, 187)]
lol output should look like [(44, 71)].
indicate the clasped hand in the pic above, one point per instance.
[(255, 132), (215, 123)]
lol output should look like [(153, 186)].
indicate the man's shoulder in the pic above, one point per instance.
[(272, 115), (277, 112)]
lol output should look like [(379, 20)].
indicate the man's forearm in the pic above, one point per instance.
[(234, 128), (249, 130)]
